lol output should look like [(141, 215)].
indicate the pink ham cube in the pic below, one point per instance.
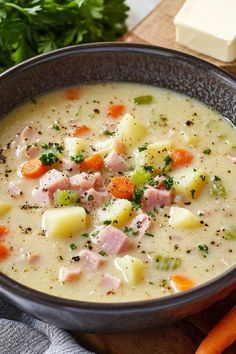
[(69, 274), (91, 260), (140, 224), (54, 180), (84, 181), (154, 198), (110, 283), (113, 241), (115, 162)]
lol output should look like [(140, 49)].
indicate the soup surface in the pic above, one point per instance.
[(116, 192)]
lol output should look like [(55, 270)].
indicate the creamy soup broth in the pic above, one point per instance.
[(176, 251)]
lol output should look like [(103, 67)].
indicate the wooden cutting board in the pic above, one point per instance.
[(183, 337)]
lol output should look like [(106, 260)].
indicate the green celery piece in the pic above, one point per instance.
[(143, 99), (167, 263), (140, 176), (64, 198), (217, 189)]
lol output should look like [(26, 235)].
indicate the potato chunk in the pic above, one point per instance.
[(75, 145), (132, 269), (119, 213), (190, 182), (4, 208), (181, 218), (64, 222), (154, 154), (131, 130)]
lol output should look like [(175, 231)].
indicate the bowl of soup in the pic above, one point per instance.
[(117, 172)]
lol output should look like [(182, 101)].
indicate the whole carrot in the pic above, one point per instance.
[(221, 336)]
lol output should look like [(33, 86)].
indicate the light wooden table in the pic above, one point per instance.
[(183, 337)]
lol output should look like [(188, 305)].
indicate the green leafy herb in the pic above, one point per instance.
[(73, 246), (48, 158), (203, 249), (207, 151), (137, 197), (143, 147), (167, 160), (90, 198), (31, 27), (147, 99), (168, 182), (85, 234), (130, 230), (102, 253), (148, 168), (78, 158), (56, 127), (163, 283), (95, 233), (107, 222), (217, 189), (108, 133), (148, 234), (167, 263)]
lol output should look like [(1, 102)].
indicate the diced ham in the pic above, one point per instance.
[(153, 198), (42, 197), (91, 260), (27, 133), (113, 241), (93, 199), (32, 152), (110, 283), (84, 181), (141, 223), (232, 157), (115, 162), (69, 165), (69, 274), (54, 180), (33, 258), (14, 190)]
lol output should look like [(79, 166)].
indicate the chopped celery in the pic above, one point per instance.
[(140, 176), (64, 197), (167, 263), (217, 189), (147, 99)]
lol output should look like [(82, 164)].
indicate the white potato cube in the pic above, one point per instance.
[(190, 182), (181, 218), (131, 130), (120, 212), (132, 269), (75, 145), (4, 208), (154, 154), (64, 222)]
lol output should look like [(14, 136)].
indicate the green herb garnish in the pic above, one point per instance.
[(203, 249), (147, 99), (108, 133), (102, 253), (107, 222), (95, 233), (90, 198), (143, 147), (56, 127), (207, 151), (78, 158), (168, 182), (73, 246), (48, 158)]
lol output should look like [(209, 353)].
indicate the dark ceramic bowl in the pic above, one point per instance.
[(118, 62)]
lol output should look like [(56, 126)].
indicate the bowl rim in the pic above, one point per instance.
[(225, 280)]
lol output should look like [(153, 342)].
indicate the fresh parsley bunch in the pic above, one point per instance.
[(30, 27)]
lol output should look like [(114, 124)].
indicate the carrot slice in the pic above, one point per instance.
[(3, 230), (221, 336), (83, 129), (92, 163), (73, 94), (33, 169), (4, 251), (181, 282), (121, 187), (180, 157), (115, 110)]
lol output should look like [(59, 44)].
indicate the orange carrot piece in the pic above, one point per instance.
[(4, 252), (3, 230), (33, 168), (73, 94), (180, 157), (115, 110), (121, 187), (181, 282), (221, 336), (83, 129), (93, 163)]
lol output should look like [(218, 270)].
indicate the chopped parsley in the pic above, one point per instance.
[(167, 160), (203, 249), (130, 230), (137, 197), (90, 197), (85, 234), (56, 127), (148, 168), (48, 158), (168, 182), (95, 233), (73, 246), (148, 234), (77, 158), (207, 151), (108, 133), (107, 222), (102, 253), (143, 147)]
